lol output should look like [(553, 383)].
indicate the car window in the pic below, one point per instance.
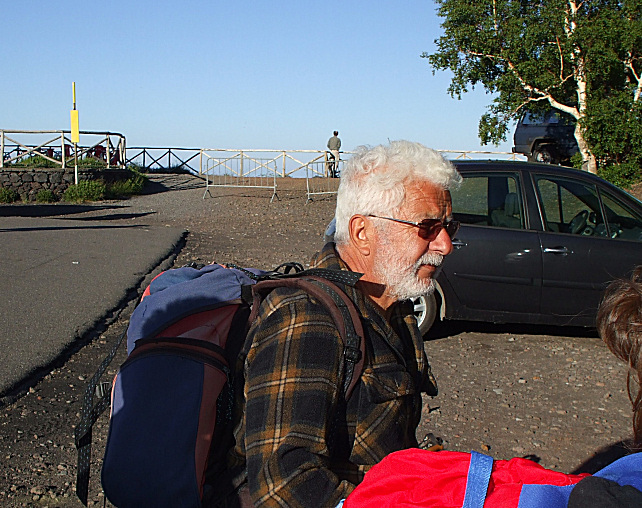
[(532, 119), (569, 206), (489, 200), (621, 222)]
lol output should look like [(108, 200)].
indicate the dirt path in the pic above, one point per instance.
[(555, 395)]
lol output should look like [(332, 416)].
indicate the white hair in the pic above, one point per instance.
[(374, 180)]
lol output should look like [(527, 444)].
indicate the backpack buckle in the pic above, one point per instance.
[(352, 354)]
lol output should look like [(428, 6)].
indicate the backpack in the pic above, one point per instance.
[(443, 479), (172, 399)]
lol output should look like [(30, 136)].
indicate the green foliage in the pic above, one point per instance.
[(8, 195), (614, 128), (135, 168), (583, 58), (35, 161), (623, 175), (126, 188), (85, 190), (576, 160), (89, 163), (45, 196)]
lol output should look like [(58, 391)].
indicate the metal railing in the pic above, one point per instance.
[(289, 163), (150, 159), (57, 147), (238, 170), (256, 168), (252, 169), (317, 183)]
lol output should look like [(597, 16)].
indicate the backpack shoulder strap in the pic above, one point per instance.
[(342, 310)]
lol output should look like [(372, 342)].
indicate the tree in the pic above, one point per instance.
[(575, 56)]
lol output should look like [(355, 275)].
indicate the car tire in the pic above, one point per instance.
[(545, 154), (425, 308)]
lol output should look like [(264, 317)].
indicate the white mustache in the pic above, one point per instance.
[(430, 258)]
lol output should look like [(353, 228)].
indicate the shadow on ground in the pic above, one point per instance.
[(447, 328), (28, 210), (164, 182), (603, 457)]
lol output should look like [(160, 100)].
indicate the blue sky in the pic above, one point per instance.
[(245, 74)]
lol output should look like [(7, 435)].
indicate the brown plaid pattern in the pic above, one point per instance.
[(304, 445)]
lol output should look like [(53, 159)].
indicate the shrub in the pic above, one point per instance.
[(8, 195), (45, 196), (90, 163), (623, 175), (85, 190), (35, 161), (126, 188)]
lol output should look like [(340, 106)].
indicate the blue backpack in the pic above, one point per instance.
[(172, 399)]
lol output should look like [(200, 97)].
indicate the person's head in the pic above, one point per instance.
[(336, 133), (619, 323), (405, 181)]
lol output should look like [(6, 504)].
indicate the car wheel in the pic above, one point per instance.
[(544, 154), (425, 312)]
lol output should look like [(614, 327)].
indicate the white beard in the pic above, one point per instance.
[(401, 275)]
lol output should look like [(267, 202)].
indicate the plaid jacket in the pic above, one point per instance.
[(304, 445)]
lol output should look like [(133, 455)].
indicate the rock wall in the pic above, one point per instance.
[(27, 182)]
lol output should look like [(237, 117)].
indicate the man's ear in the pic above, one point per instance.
[(360, 234)]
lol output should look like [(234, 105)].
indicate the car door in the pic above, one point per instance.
[(590, 238), (495, 267)]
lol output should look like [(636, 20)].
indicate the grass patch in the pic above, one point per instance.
[(95, 190), (45, 196), (85, 190), (126, 188), (8, 195), (35, 161)]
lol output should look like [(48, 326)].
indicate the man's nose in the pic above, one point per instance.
[(442, 243)]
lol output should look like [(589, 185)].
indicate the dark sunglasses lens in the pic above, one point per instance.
[(452, 227), (429, 229)]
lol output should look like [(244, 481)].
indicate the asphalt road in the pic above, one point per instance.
[(61, 277)]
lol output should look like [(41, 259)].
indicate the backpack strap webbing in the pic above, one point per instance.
[(88, 416), (342, 310)]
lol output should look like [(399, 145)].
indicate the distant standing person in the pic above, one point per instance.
[(334, 144)]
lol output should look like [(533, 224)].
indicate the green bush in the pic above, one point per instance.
[(623, 175), (85, 190), (126, 188), (35, 161), (89, 163), (8, 195), (45, 196)]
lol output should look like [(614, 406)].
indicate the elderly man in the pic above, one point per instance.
[(302, 443)]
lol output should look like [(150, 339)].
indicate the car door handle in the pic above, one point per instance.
[(556, 250), (458, 244)]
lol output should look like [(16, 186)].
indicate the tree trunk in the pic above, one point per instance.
[(589, 162)]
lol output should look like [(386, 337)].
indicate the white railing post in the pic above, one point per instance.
[(2, 149), (62, 150)]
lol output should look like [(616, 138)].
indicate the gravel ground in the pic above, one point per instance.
[(552, 394)]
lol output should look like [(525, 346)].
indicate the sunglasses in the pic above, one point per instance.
[(429, 229)]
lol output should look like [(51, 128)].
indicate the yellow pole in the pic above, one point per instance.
[(75, 132)]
